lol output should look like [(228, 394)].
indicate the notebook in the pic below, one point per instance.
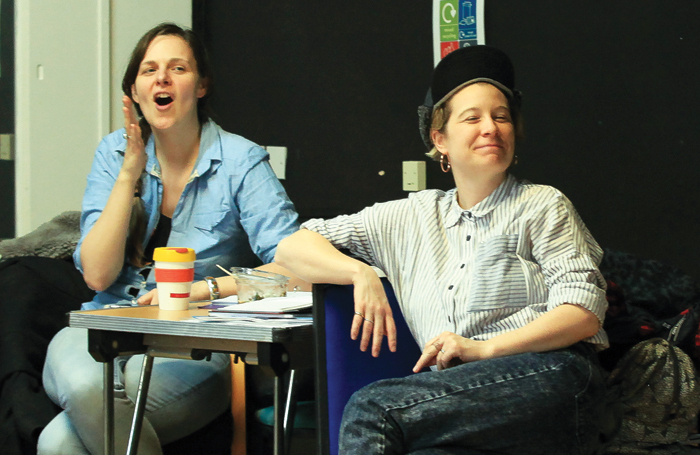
[(293, 302)]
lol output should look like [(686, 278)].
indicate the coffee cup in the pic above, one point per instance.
[(174, 275)]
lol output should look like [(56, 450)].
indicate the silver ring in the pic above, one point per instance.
[(371, 322), (126, 136), (442, 350), (360, 315)]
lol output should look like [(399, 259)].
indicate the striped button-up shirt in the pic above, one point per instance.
[(481, 272)]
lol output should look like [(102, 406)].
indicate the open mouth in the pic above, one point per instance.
[(163, 99)]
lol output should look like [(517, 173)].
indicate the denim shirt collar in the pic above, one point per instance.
[(210, 150), (210, 153), (452, 213)]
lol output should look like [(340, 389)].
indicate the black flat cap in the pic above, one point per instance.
[(462, 67), (468, 65)]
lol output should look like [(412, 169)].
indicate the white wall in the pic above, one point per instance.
[(62, 94), (69, 60)]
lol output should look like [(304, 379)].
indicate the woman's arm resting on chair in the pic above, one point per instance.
[(314, 259)]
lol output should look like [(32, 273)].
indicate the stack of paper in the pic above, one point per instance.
[(293, 302), (257, 319)]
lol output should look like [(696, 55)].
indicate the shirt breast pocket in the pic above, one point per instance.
[(498, 280)]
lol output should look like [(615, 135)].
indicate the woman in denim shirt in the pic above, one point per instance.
[(497, 279), (171, 178)]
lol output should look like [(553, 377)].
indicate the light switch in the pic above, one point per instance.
[(278, 160), (7, 147), (413, 175)]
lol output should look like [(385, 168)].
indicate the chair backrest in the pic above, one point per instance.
[(341, 368)]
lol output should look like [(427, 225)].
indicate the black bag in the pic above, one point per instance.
[(648, 299), (35, 295), (658, 398)]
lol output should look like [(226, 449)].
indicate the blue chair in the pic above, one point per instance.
[(341, 368)]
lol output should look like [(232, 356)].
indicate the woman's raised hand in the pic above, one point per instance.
[(135, 154), (373, 315)]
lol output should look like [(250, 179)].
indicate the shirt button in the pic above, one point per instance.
[(450, 288), (469, 237), (462, 266), (449, 319)]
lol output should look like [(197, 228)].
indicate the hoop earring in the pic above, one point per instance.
[(515, 160), (445, 163)]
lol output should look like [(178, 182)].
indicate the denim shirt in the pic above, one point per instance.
[(231, 210)]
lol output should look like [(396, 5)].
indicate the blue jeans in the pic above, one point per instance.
[(184, 396), (533, 403)]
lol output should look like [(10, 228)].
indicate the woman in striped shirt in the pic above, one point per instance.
[(498, 279)]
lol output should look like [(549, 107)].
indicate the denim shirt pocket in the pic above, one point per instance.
[(498, 280), (212, 228), (209, 221)]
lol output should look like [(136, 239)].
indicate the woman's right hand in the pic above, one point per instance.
[(314, 259), (135, 154), (102, 251), (373, 314)]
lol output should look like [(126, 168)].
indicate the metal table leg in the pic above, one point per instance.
[(278, 428), (105, 346), (290, 411), (276, 358), (108, 405), (141, 397)]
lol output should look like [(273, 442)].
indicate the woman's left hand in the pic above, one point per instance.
[(149, 298), (198, 293), (449, 349)]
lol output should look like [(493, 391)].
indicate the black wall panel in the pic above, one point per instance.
[(611, 102), (611, 105), (7, 117), (339, 86)]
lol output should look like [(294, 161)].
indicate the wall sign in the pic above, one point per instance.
[(456, 23)]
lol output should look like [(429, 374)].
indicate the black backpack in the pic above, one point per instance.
[(648, 299)]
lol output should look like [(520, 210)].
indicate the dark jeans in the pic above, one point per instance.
[(534, 403)]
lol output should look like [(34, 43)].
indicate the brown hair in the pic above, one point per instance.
[(137, 224)]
